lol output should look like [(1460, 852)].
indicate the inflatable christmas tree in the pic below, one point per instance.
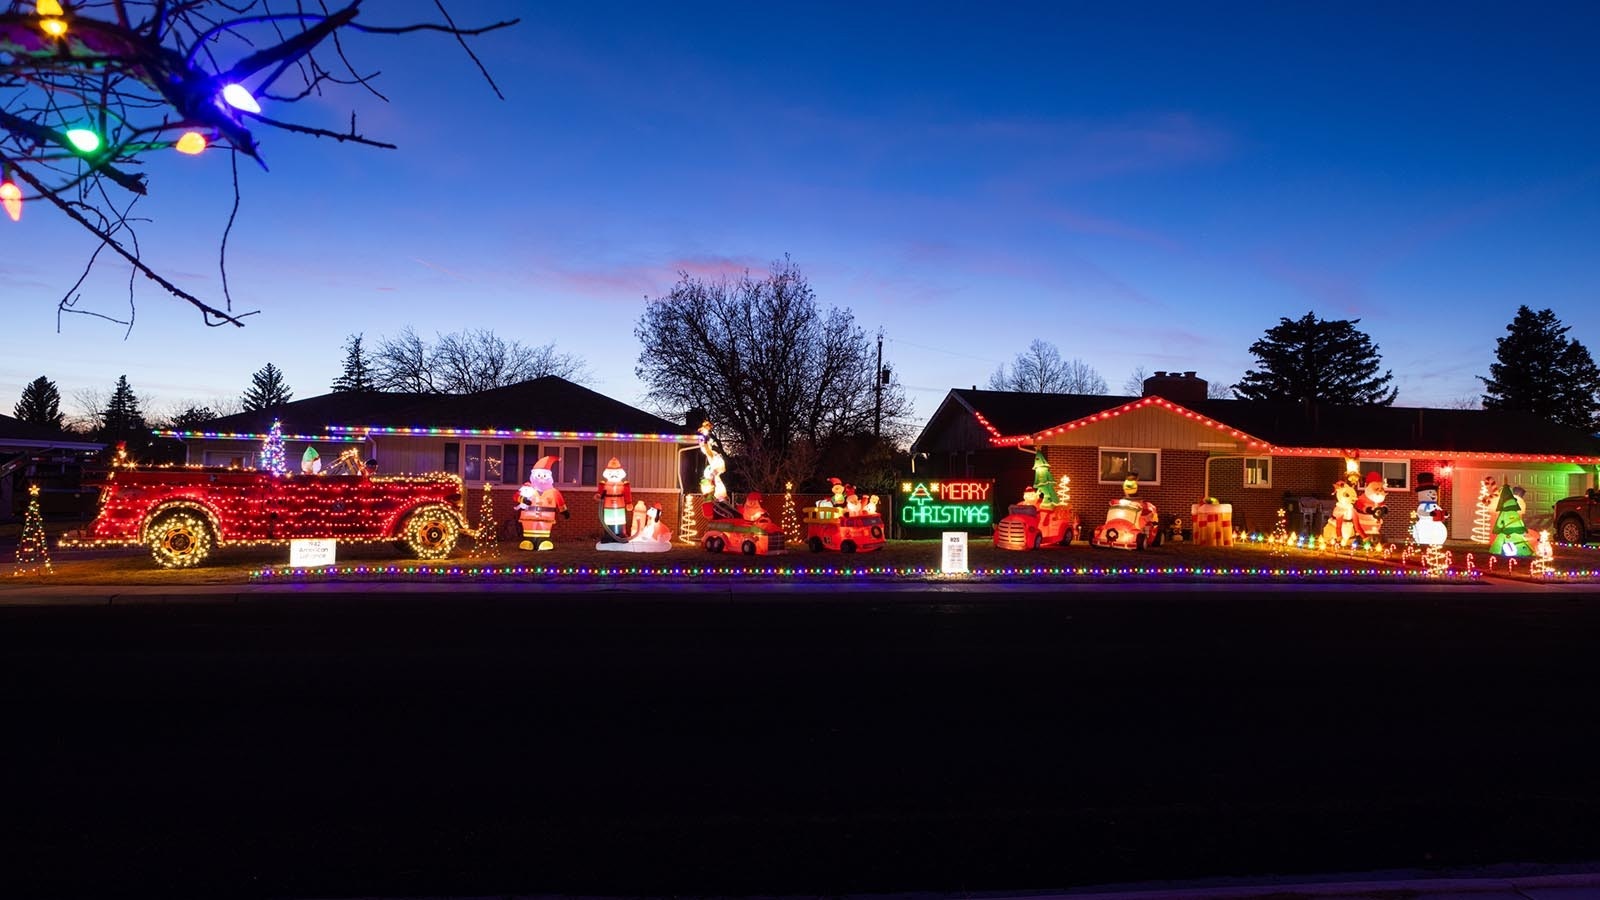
[(1510, 533)]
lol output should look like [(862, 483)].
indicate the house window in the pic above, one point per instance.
[(484, 462), (575, 465), (513, 468), (452, 458), (1116, 463), (1258, 472), (1396, 472)]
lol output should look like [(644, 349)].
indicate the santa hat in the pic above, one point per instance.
[(545, 462), (1373, 476), (654, 511), (753, 497)]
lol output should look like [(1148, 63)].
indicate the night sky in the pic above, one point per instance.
[(1146, 187)]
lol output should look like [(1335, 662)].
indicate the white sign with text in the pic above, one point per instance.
[(954, 559), (308, 552)]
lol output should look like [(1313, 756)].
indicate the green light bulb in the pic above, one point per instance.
[(84, 140)]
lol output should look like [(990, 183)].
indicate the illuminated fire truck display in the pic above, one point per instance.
[(185, 514), (832, 528), (1030, 527), (732, 534)]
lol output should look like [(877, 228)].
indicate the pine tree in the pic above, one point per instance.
[(33, 548), (791, 516), (267, 390), (1510, 533), (273, 458), (1312, 360), (1538, 369), (40, 403), (357, 375), (123, 421)]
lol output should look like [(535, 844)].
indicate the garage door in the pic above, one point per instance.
[(1543, 488)]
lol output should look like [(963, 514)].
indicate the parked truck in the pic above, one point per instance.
[(1578, 518), (185, 514)]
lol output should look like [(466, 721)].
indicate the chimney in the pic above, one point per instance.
[(1183, 388)]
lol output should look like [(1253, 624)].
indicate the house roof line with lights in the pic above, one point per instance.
[(547, 408), (1017, 419)]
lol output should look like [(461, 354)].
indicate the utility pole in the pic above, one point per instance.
[(877, 392)]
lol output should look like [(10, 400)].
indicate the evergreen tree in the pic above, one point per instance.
[(1538, 369), (122, 419), (191, 416), (1317, 361), (267, 389), (357, 375), (40, 403)]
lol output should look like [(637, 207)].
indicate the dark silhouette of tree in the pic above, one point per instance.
[(785, 383), (1538, 369), (267, 389), (1312, 360), (466, 361), (190, 417), (122, 420), (1041, 370), (357, 375), (88, 92), (40, 403)]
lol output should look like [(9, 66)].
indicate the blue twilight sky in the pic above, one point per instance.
[(1149, 186)]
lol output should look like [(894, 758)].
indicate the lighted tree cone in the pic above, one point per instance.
[(486, 538), (272, 455), (792, 532), (33, 547), (1484, 513), (688, 526)]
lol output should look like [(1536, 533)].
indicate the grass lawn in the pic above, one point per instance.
[(899, 560)]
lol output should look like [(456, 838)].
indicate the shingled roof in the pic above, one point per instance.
[(541, 404), (15, 432), (1294, 425)]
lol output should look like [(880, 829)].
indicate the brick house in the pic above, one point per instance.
[(489, 438), (1258, 456)]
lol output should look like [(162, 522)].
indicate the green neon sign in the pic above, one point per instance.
[(962, 502)]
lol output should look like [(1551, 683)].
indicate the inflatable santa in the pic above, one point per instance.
[(538, 502), (1370, 508)]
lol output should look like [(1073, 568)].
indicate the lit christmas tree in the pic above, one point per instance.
[(1483, 514), (33, 548), (1280, 534), (688, 528), (486, 540), (791, 516), (272, 456)]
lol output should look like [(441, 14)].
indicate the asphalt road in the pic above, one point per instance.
[(818, 743)]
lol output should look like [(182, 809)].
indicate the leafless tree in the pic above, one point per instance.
[(785, 383), (89, 89), (90, 406), (1041, 370), (466, 361), (1134, 386), (1219, 390)]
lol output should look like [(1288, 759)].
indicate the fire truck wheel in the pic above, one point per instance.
[(431, 532), (847, 546), (715, 543), (1038, 539), (179, 539), (815, 544), (748, 548), (877, 531), (1138, 542)]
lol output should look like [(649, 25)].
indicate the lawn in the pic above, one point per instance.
[(898, 561)]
